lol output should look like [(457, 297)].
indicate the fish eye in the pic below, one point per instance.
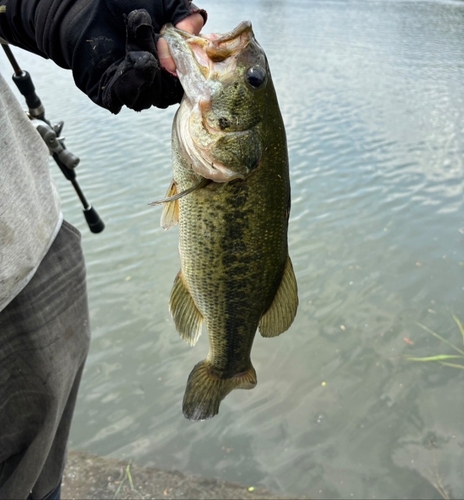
[(255, 77)]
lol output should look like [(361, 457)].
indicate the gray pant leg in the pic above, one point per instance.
[(44, 340)]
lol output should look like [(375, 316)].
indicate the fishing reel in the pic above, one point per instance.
[(51, 134)]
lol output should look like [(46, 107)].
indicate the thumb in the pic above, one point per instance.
[(140, 35)]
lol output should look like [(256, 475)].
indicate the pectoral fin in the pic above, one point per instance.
[(281, 314), (187, 317), (170, 213)]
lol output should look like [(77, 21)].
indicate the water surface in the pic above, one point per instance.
[(372, 97)]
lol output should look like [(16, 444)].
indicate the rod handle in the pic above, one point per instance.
[(96, 225)]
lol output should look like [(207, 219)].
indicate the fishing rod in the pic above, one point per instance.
[(66, 160)]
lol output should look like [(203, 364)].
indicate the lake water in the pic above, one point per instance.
[(372, 97)]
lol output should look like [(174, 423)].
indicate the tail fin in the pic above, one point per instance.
[(204, 391)]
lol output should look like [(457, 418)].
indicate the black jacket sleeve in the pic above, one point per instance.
[(108, 44)]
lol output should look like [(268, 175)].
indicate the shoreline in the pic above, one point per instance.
[(95, 477)]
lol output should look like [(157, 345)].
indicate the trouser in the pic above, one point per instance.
[(44, 340)]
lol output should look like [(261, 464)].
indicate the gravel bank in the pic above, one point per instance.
[(94, 477)]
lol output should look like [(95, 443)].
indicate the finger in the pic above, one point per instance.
[(164, 56), (192, 23)]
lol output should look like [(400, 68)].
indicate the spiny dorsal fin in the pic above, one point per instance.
[(187, 317), (281, 314)]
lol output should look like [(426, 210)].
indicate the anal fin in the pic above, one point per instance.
[(187, 317), (280, 315)]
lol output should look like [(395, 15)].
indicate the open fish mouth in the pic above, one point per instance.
[(208, 50)]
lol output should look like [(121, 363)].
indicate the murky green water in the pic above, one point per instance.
[(372, 97)]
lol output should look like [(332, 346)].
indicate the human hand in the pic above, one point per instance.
[(147, 75), (110, 45)]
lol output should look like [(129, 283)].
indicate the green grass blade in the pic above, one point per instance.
[(439, 357), (439, 337), (129, 475), (119, 489), (453, 365), (461, 328)]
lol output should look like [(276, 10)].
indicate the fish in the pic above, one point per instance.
[(230, 196)]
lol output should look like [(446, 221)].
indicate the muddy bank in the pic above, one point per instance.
[(94, 477)]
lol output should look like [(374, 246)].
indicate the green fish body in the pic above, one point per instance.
[(236, 274)]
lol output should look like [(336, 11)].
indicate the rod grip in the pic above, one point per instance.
[(96, 225)]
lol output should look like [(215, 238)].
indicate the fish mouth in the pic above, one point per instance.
[(207, 50)]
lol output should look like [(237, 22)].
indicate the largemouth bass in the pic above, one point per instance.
[(231, 197)]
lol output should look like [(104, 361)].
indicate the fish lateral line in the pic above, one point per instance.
[(203, 183)]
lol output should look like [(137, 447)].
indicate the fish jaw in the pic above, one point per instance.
[(188, 69)]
